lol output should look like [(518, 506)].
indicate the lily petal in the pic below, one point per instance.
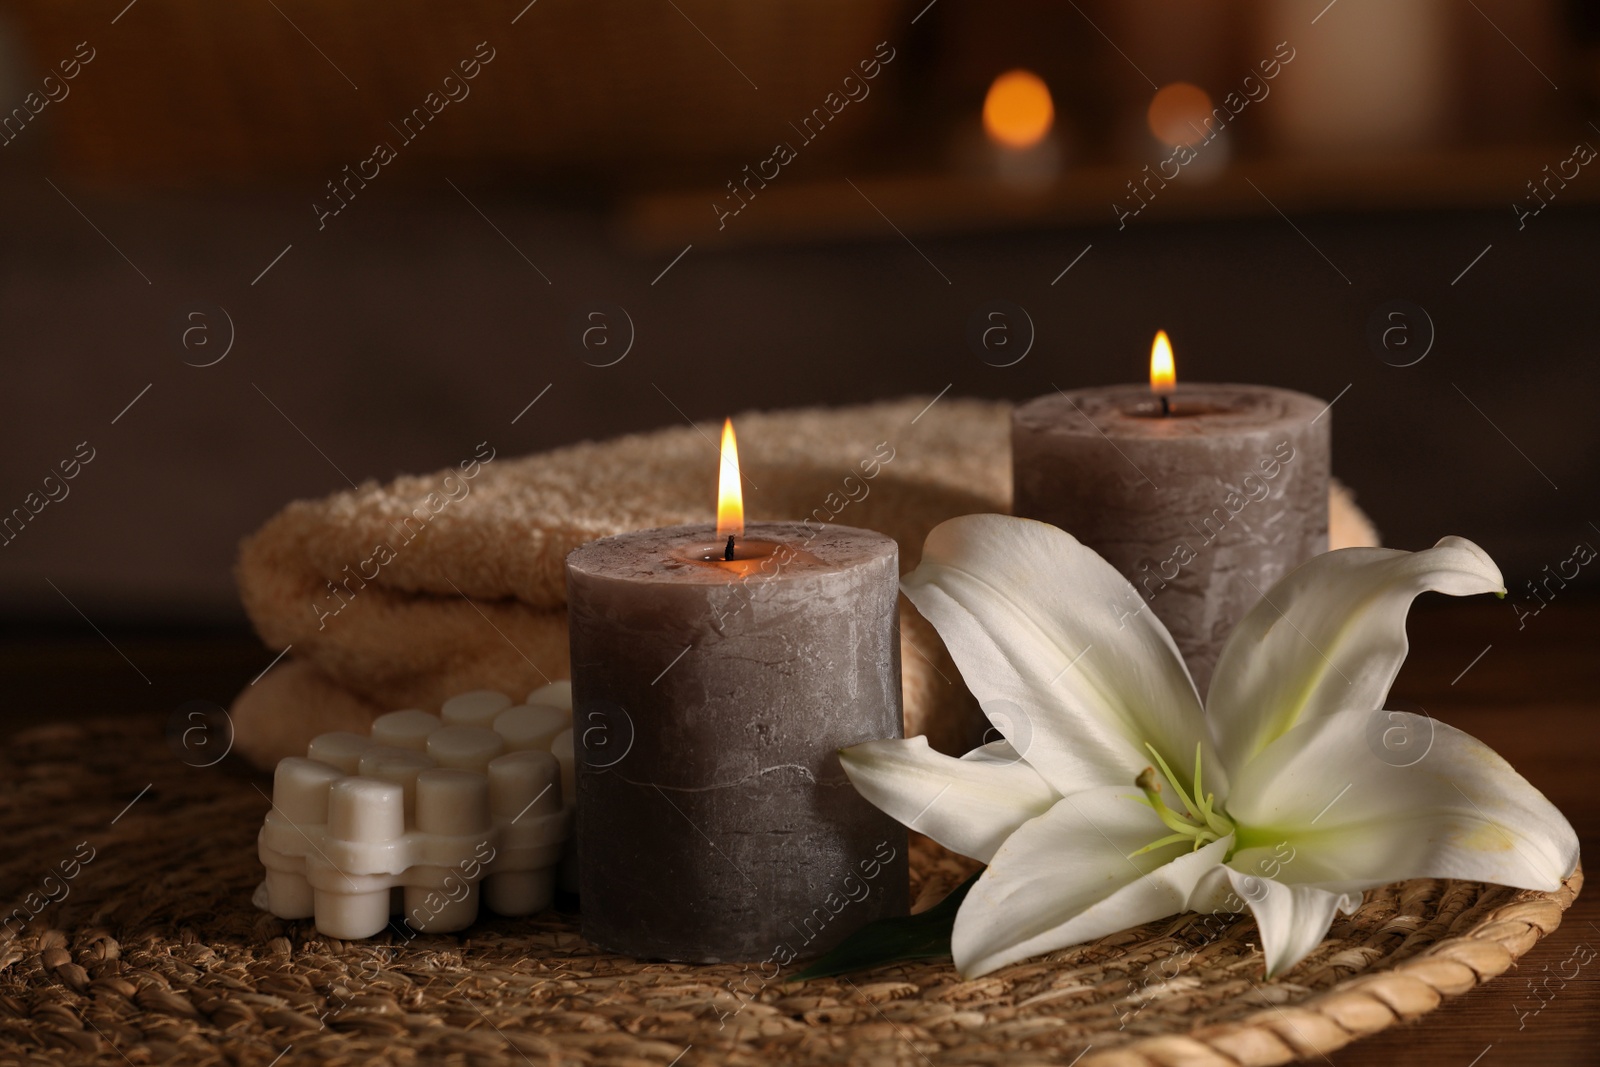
[(1293, 919), (1330, 636), (1045, 629), (1350, 814), (969, 805), (1069, 876)]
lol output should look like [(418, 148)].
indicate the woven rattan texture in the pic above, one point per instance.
[(132, 941)]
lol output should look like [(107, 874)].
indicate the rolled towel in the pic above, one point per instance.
[(400, 595)]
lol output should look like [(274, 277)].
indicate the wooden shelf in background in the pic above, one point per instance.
[(790, 210)]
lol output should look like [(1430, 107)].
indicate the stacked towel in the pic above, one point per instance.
[(400, 595)]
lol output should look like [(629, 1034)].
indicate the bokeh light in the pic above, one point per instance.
[(1018, 110), (1178, 114)]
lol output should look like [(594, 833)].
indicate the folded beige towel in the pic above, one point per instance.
[(401, 595)]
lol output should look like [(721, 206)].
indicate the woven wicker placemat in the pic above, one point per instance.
[(132, 940)]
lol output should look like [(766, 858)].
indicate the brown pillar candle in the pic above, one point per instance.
[(711, 696), (1202, 508)]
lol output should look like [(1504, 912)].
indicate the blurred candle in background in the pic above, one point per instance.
[(1167, 43), (1181, 115), (1021, 150)]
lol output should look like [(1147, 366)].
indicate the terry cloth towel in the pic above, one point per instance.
[(402, 595)]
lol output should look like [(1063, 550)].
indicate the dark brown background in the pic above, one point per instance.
[(428, 313), (448, 295)]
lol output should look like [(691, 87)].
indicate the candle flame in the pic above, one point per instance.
[(1018, 111), (1163, 374), (730, 495)]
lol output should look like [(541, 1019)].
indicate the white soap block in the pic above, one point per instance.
[(477, 708), (341, 750), (465, 748), (531, 726), (405, 729), (400, 766), (419, 817), (524, 788), (556, 694)]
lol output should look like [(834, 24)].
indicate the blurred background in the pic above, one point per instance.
[(258, 251)]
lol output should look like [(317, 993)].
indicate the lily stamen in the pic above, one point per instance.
[(1173, 781), (1200, 822)]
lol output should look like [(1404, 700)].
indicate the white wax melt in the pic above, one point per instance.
[(419, 815)]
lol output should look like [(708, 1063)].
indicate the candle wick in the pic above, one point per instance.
[(1166, 408), (727, 553)]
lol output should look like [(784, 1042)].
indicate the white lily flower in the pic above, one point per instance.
[(1116, 799)]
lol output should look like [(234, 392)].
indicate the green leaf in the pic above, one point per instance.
[(906, 937)]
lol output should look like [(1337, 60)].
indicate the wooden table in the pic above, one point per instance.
[(1533, 694)]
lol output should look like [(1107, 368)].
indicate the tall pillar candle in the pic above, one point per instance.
[(1202, 508), (711, 696)]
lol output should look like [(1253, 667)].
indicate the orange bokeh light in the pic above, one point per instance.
[(730, 494), (1018, 111), (1178, 114)]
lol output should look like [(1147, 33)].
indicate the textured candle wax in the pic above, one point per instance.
[(710, 702), (1202, 510)]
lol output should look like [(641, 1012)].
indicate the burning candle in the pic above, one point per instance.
[(716, 672), (1202, 497)]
